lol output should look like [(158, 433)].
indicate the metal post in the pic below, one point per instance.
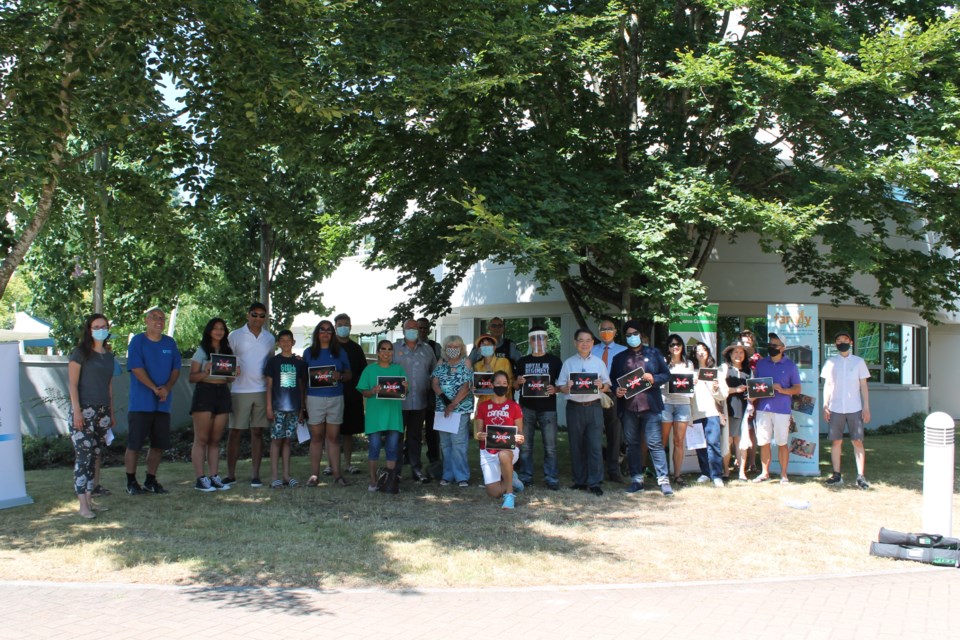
[(938, 438)]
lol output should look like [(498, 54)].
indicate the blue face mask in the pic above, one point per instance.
[(343, 332), (411, 334), (486, 351), (633, 341), (100, 334)]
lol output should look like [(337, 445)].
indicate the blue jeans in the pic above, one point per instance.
[(646, 423), (585, 430), (388, 439), (454, 447), (547, 421), (711, 462)]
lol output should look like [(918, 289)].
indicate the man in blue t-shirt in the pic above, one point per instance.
[(773, 414), (154, 361)]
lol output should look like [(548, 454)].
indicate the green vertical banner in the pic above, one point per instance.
[(698, 327), (798, 325)]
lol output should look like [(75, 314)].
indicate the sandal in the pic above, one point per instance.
[(276, 484), (759, 479), (313, 481), (292, 483), (341, 481)]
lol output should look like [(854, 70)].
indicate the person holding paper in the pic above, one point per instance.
[(419, 360), (585, 414), (90, 374), (640, 414), (286, 377), (497, 465), (773, 414), (211, 406), (707, 401), (325, 401), (846, 402), (489, 361), (383, 419), (539, 411), (451, 386), (676, 406), (735, 372)]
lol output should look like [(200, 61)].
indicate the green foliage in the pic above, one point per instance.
[(16, 297), (911, 424)]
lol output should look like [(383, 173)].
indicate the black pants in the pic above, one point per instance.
[(613, 432), (431, 436), (413, 422)]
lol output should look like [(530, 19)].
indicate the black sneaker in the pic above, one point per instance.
[(203, 484), (553, 486), (597, 491), (835, 480), (862, 482), (256, 483), (99, 491), (420, 476), (134, 489), (154, 487), (229, 480), (218, 484), (635, 487)]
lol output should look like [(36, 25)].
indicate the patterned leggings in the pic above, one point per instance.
[(87, 444)]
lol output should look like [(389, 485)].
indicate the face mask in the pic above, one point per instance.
[(607, 335), (500, 391), (773, 351), (453, 353), (843, 347), (100, 334), (343, 332), (633, 341), (411, 334), (486, 351)]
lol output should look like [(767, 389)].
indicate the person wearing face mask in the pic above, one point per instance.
[(497, 465), (640, 414), (502, 347), (451, 388), (606, 350), (418, 360), (489, 360), (430, 436), (90, 374), (539, 412), (846, 403), (773, 414), (353, 422)]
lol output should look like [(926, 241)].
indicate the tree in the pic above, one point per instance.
[(606, 146)]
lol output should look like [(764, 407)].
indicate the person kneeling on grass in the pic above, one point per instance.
[(383, 418), (497, 465), (286, 380)]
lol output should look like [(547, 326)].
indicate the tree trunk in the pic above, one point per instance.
[(266, 262), (100, 160)]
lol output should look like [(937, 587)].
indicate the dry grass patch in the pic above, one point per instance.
[(435, 536)]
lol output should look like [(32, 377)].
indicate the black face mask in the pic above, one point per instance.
[(773, 351), (843, 347), (500, 391)]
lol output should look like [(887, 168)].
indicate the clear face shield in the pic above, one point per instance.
[(538, 342)]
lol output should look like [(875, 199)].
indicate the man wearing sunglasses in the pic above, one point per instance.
[(773, 414), (253, 345)]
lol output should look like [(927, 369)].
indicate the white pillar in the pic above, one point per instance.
[(938, 438)]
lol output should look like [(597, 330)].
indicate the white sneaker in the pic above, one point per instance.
[(718, 482), (203, 484), (703, 479)]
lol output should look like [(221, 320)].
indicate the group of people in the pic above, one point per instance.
[(269, 390)]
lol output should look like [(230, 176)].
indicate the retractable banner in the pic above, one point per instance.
[(798, 327), (13, 489)]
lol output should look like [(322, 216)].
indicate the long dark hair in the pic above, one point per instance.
[(206, 342), (673, 337), (711, 363), (85, 344), (315, 341)]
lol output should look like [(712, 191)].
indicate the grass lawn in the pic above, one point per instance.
[(434, 536)]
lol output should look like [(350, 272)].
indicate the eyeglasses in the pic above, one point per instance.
[(326, 331), (496, 325), (587, 341), (675, 344), (258, 315), (386, 348), (632, 333)]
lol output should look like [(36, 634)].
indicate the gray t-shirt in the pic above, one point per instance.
[(95, 377)]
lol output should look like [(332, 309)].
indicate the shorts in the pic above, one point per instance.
[(490, 465), (853, 422), (284, 424), (249, 411), (675, 413), (152, 425), (328, 409), (212, 398), (772, 425)]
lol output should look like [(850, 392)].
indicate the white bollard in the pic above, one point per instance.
[(938, 437)]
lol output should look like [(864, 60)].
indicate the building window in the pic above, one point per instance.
[(729, 328), (894, 353), (516, 329)]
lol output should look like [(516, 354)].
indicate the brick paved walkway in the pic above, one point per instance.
[(920, 603)]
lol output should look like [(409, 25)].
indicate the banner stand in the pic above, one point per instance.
[(13, 489)]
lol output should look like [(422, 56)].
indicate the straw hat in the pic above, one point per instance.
[(733, 345)]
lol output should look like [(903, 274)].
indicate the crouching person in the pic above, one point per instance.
[(497, 464)]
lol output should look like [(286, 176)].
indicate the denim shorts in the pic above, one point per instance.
[(675, 413)]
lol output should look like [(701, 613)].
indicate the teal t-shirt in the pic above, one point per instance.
[(381, 415)]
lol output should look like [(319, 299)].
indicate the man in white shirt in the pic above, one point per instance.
[(253, 345), (846, 402)]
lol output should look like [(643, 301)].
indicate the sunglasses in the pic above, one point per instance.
[(675, 344), (258, 315), (326, 330)]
